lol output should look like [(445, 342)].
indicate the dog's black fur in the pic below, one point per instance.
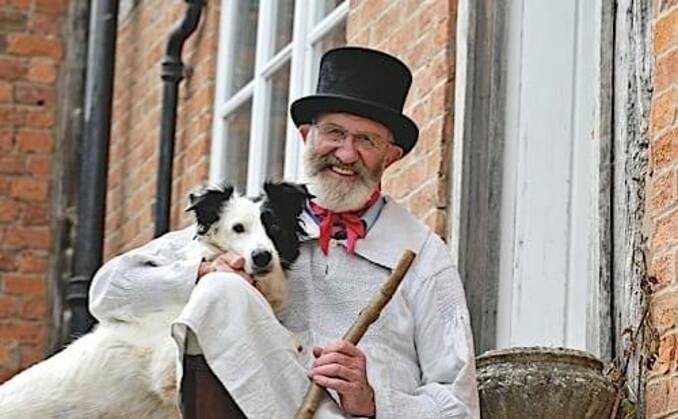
[(282, 205)]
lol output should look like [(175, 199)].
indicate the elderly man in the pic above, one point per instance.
[(416, 361)]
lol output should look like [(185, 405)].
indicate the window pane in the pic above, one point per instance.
[(325, 7), (237, 138), (244, 44), (333, 39), (284, 21), (277, 119)]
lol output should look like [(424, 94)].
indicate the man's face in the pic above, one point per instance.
[(344, 159)]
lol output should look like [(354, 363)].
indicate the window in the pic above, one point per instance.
[(269, 52)]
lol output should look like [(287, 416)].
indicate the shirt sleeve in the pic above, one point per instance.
[(445, 349), (144, 280)]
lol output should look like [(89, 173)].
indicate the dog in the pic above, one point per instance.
[(128, 369)]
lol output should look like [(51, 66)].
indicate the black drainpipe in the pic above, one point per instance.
[(88, 252), (172, 73)]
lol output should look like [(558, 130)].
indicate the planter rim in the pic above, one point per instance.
[(539, 354)]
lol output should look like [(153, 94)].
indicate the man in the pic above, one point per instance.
[(416, 361)]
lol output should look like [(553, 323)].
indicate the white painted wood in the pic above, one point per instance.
[(225, 50), (462, 109), (302, 62), (293, 144), (546, 193), (234, 102)]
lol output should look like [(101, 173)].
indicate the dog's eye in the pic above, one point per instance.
[(239, 228)]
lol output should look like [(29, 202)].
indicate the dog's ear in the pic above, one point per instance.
[(287, 196), (207, 204)]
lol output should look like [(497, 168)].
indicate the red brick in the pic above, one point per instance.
[(9, 352), (31, 354), (51, 6), (34, 309), (6, 141), (30, 190), (657, 396), (12, 20), (4, 184), (34, 141), (665, 150), (11, 164), (667, 355), (12, 68), (9, 211), (34, 46), (664, 5), (665, 230), (45, 24), (8, 308), (5, 92), (16, 4), (35, 215), (40, 118), (663, 112), (39, 165), (24, 332), (7, 261), (666, 71), (664, 312), (31, 263), (42, 71), (34, 94), (25, 285), (664, 269), (11, 115), (27, 238), (664, 191), (665, 32), (423, 200)]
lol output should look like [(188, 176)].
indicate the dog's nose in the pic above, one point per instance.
[(261, 258)]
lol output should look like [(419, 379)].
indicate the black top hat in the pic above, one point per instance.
[(364, 82)]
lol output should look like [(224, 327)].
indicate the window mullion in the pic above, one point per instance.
[(257, 155), (224, 59), (293, 145)]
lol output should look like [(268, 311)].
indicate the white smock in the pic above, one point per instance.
[(420, 358)]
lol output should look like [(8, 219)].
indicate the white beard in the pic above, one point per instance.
[(335, 194), (338, 195)]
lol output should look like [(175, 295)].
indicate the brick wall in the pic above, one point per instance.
[(133, 159), (31, 48), (422, 34), (662, 387)]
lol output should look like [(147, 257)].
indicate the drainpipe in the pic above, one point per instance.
[(88, 252), (172, 73)]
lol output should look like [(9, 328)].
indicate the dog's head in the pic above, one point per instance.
[(265, 231)]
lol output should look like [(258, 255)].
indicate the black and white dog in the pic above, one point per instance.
[(127, 369)]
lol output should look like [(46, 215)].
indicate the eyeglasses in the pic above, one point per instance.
[(336, 135)]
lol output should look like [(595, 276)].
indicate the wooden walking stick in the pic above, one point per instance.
[(366, 317)]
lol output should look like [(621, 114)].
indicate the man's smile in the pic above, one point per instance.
[(342, 171)]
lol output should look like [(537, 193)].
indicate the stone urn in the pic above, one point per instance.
[(549, 383)]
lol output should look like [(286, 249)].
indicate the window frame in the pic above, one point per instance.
[(303, 56)]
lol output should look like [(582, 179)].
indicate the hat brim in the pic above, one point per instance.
[(404, 130)]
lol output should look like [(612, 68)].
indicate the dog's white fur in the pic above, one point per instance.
[(127, 369)]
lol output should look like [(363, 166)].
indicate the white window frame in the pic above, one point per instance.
[(303, 55)]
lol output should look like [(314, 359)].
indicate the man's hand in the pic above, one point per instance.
[(342, 367), (227, 262)]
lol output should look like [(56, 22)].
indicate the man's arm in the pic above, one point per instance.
[(145, 279), (446, 357)]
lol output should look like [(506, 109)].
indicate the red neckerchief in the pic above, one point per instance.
[(349, 221)]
